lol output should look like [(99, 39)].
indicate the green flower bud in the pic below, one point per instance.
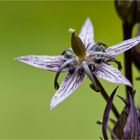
[(77, 45)]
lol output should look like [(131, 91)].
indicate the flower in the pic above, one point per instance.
[(91, 59), (128, 123)]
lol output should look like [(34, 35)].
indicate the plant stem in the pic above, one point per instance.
[(106, 97), (127, 33)]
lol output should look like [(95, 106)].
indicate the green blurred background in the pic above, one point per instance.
[(25, 91)]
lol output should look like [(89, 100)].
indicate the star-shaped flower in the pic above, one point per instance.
[(84, 58)]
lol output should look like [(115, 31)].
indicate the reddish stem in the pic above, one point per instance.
[(127, 33)]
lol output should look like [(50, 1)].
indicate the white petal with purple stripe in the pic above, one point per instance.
[(51, 63), (123, 46), (70, 84), (87, 33), (111, 74)]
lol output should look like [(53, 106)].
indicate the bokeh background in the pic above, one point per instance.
[(25, 92)]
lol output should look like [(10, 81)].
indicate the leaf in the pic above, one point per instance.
[(132, 126), (118, 128), (106, 113)]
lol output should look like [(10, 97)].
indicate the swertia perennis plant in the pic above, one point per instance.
[(91, 59)]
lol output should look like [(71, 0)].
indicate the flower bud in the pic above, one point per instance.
[(77, 45), (136, 52), (138, 11), (128, 10)]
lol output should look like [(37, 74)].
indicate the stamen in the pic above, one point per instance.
[(66, 50), (98, 53), (89, 74), (67, 53), (112, 59), (99, 46), (56, 84)]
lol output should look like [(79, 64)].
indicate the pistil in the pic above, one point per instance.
[(77, 45)]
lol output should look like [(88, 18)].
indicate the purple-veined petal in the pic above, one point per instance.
[(132, 126), (123, 46), (51, 63), (87, 33), (109, 73), (70, 83), (106, 113)]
